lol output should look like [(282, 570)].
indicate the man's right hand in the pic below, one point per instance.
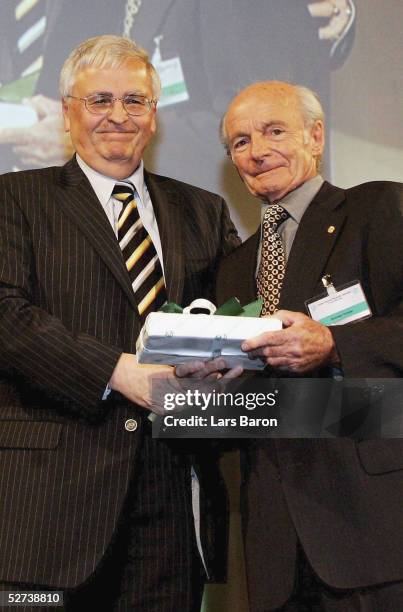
[(146, 384)]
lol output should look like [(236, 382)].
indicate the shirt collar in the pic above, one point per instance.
[(103, 185), (297, 201)]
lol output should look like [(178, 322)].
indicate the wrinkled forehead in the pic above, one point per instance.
[(263, 106), (271, 97)]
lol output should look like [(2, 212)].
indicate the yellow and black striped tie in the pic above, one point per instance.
[(30, 17), (139, 253)]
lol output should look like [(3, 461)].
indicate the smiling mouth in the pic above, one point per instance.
[(118, 136), (267, 170), (116, 132)]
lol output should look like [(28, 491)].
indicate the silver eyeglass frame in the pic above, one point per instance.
[(148, 106)]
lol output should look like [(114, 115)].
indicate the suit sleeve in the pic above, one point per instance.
[(374, 347), (229, 235), (36, 347), (226, 239)]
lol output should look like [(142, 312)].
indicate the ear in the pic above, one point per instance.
[(66, 115), (153, 126), (318, 138)]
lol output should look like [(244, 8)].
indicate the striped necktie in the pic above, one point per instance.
[(139, 253), (30, 26), (272, 263)]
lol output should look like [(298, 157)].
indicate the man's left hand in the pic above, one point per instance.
[(215, 369), (302, 346)]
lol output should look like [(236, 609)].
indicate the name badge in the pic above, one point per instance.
[(340, 305), (173, 85)]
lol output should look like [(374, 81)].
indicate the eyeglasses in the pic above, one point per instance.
[(102, 104)]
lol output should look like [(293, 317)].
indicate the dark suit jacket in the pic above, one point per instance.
[(67, 311), (342, 498)]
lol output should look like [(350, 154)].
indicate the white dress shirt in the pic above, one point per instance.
[(103, 187)]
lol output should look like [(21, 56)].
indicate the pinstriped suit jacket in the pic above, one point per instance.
[(67, 312)]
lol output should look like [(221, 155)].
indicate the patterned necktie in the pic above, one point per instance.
[(139, 253), (272, 264)]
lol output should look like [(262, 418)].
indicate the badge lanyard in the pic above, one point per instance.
[(344, 304), (173, 84)]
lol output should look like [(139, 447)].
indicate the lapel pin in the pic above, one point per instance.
[(331, 229)]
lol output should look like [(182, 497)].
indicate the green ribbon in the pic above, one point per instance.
[(231, 308), (23, 87), (171, 307), (253, 309)]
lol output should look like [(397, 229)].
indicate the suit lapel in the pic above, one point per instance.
[(79, 202), (168, 207), (315, 239), (245, 259)]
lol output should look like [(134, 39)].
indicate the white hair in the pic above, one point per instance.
[(107, 51), (311, 107), (311, 110)]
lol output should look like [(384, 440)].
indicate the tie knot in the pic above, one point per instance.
[(274, 216), (124, 192)]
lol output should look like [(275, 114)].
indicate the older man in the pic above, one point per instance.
[(91, 504), (335, 506)]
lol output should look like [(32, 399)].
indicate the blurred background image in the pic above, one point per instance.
[(349, 52)]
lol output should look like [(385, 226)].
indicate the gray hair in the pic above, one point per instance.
[(107, 51), (310, 105)]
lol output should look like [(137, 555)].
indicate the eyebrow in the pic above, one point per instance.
[(272, 123), (110, 93), (262, 127), (97, 92)]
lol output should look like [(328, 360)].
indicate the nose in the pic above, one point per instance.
[(118, 114), (259, 146)]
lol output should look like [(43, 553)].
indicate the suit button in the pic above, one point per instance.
[(131, 425)]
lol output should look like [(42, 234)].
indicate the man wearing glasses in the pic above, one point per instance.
[(91, 504)]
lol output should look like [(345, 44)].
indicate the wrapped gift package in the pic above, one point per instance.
[(168, 338)]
